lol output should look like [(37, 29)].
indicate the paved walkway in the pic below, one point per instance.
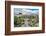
[(26, 23)]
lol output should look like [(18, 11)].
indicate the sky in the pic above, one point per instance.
[(25, 10)]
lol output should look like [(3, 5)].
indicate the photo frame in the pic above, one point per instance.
[(24, 17)]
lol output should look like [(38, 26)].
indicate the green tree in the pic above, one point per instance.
[(15, 21)]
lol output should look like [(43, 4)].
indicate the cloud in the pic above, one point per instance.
[(26, 10)]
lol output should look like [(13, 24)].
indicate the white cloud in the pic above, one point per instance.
[(24, 10)]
